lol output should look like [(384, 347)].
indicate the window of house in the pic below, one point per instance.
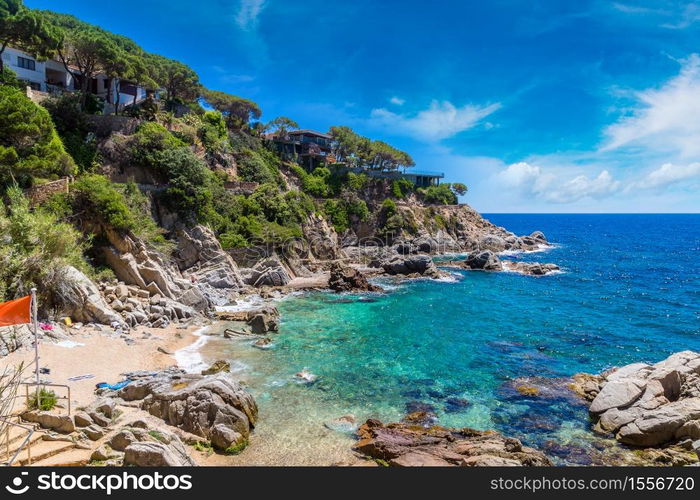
[(25, 63)]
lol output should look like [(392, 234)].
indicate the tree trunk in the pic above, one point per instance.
[(2, 63)]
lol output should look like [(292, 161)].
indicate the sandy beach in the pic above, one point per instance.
[(102, 355)]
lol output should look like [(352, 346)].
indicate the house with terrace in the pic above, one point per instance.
[(307, 147), (312, 149), (51, 77)]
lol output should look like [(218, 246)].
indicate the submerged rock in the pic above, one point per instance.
[(218, 366), (403, 444), (263, 343), (530, 268), (345, 424), (345, 278)]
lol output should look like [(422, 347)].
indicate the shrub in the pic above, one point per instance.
[(232, 240), (29, 144), (258, 166), (191, 184), (357, 182), (337, 213), (9, 78), (400, 188), (439, 195), (236, 448), (149, 142), (96, 195), (317, 183), (212, 131), (358, 208), (34, 250), (74, 130), (388, 208), (45, 400)]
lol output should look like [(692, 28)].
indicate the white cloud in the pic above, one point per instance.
[(690, 15), (440, 121), (248, 12), (666, 118), (397, 100), (667, 175), (522, 176), (583, 187), (532, 180)]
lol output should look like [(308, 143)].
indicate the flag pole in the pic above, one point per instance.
[(36, 338)]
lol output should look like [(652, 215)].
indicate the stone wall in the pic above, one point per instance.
[(42, 192), (241, 187)]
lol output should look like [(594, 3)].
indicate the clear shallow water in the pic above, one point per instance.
[(630, 292)]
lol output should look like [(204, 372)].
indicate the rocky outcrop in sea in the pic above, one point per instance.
[(645, 405), (345, 279), (411, 445)]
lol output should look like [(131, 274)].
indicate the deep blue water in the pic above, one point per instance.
[(630, 291)]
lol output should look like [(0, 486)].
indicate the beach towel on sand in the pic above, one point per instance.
[(114, 387)]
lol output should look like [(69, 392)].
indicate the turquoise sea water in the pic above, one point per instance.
[(630, 291)]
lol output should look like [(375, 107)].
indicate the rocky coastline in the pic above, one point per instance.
[(650, 408)]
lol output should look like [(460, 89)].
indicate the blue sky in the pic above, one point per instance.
[(538, 106)]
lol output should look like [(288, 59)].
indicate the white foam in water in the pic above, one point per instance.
[(189, 358), (454, 277), (247, 304)]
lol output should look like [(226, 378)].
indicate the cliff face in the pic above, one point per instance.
[(434, 229)]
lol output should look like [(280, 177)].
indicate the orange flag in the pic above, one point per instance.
[(16, 312)]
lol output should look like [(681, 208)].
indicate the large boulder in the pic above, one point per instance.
[(264, 320), (493, 243), (410, 264), (82, 301), (345, 278), (483, 261), (14, 337), (651, 405), (410, 445), (203, 273), (268, 272), (50, 420), (196, 403), (156, 454), (200, 255)]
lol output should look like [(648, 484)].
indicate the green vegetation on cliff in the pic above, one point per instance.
[(30, 148), (193, 164)]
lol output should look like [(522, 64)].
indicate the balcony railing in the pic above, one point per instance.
[(425, 173)]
